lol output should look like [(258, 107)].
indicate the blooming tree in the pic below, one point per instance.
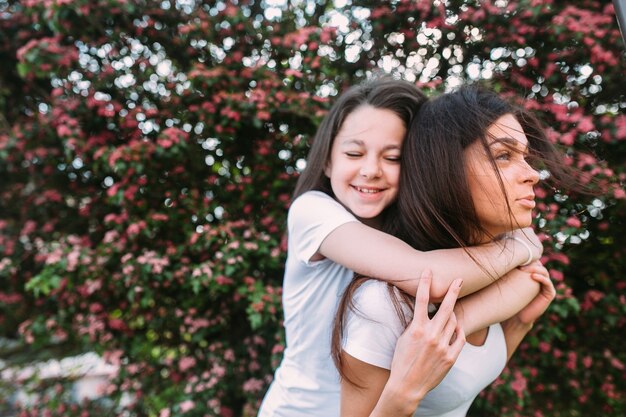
[(149, 150)]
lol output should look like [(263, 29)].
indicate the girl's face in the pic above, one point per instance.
[(508, 146), (364, 165)]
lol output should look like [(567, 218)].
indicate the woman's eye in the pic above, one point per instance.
[(503, 156), (353, 154), (393, 158)]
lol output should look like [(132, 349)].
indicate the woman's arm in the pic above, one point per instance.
[(373, 253), (423, 355)]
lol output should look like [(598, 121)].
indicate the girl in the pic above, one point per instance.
[(466, 179), (350, 182)]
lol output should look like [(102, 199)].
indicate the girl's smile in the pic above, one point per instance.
[(364, 166)]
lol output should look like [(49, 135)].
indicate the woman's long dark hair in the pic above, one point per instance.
[(434, 209)]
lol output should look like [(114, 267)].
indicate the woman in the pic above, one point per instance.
[(466, 180)]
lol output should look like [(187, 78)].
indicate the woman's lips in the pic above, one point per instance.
[(528, 202)]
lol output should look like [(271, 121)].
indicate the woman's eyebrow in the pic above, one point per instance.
[(508, 141)]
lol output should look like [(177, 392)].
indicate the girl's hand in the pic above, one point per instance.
[(428, 347), (534, 309)]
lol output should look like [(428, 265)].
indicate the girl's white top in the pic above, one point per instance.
[(306, 383), (371, 334)]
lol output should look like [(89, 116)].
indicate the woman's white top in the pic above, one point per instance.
[(371, 335), (307, 383)]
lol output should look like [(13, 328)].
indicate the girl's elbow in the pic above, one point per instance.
[(438, 291)]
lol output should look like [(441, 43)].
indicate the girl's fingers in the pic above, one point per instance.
[(539, 270), (533, 266), (547, 287), (541, 277)]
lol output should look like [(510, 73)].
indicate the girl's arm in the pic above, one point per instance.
[(522, 294), (423, 355), (373, 253), (516, 328)]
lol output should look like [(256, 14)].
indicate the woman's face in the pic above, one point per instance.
[(508, 147)]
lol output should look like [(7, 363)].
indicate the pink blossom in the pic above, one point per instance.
[(135, 228), (253, 385), (72, 259), (567, 138), (556, 275), (263, 115), (585, 124), (573, 221), (29, 227), (544, 347), (186, 363), (519, 384), (617, 364), (186, 406)]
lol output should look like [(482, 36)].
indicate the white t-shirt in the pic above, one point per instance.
[(307, 383), (371, 334)]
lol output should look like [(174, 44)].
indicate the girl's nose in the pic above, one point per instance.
[(370, 169)]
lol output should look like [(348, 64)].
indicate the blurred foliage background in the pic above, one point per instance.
[(148, 151)]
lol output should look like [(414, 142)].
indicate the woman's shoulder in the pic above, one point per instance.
[(373, 300), (371, 289)]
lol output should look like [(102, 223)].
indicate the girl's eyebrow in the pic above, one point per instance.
[(359, 142), (353, 142)]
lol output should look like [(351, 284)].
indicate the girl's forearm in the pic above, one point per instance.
[(373, 253), (496, 303), (514, 333)]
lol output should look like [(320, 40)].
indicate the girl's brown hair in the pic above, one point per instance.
[(401, 97)]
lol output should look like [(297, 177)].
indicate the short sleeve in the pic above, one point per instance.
[(373, 329), (312, 217)]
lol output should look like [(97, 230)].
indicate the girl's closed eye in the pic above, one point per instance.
[(353, 154), (393, 158)]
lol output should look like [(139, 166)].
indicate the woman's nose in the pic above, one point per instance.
[(530, 174)]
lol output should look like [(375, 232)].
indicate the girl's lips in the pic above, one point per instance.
[(367, 190)]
